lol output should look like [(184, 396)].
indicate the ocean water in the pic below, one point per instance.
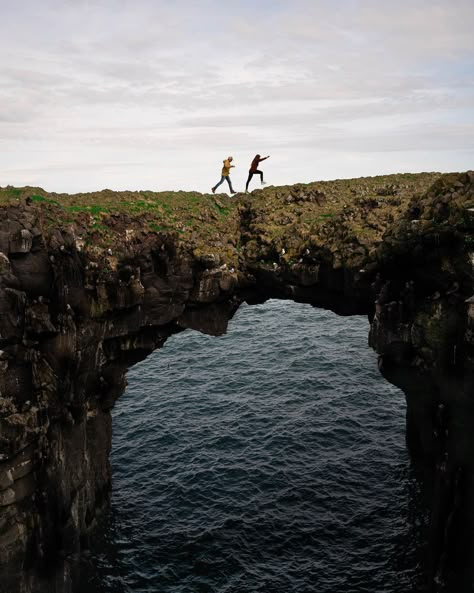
[(271, 459)]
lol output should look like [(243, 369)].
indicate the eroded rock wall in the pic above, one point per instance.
[(422, 328), (72, 321), (70, 326)]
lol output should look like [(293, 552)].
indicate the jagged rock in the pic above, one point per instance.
[(209, 260), (21, 242), (5, 266), (78, 308)]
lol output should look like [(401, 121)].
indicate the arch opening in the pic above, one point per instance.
[(269, 459)]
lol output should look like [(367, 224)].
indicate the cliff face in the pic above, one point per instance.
[(423, 330), (90, 285)]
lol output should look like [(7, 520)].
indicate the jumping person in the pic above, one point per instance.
[(225, 174), (254, 169)]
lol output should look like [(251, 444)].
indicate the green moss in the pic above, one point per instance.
[(157, 227), (13, 192), (323, 215), (10, 194), (222, 210), (93, 210)]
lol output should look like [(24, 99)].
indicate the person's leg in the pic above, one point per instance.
[(248, 181), (261, 176), (230, 184), (217, 184)]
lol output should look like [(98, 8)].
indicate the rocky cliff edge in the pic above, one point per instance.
[(92, 283)]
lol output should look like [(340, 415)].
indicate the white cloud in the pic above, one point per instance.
[(112, 93)]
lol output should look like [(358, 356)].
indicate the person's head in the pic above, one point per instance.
[(230, 158), (257, 156)]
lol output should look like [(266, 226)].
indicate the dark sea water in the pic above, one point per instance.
[(271, 459)]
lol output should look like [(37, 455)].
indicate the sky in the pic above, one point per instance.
[(154, 94)]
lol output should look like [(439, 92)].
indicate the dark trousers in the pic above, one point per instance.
[(251, 174)]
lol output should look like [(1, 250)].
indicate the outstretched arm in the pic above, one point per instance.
[(263, 158)]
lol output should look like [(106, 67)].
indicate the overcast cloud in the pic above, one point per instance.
[(153, 94)]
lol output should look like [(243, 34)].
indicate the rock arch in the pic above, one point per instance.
[(73, 320)]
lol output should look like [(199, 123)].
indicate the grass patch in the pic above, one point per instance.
[(92, 210), (222, 210), (158, 228)]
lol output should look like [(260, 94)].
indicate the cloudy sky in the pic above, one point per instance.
[(153, 94)]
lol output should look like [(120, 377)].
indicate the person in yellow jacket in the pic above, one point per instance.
[(225, 174)]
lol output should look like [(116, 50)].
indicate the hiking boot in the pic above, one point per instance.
[(213, 189), (264, 183)]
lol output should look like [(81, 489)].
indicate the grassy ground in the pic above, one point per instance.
[(344, 216), (102, 218)]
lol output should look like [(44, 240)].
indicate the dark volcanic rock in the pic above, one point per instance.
[(74, 319)]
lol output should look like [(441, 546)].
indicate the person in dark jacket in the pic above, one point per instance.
[(254, 170)]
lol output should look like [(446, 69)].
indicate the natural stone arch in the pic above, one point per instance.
[(72, 321)]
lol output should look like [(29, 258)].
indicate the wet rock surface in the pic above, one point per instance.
[(78, 308)]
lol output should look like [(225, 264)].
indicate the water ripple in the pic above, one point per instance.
[(270, 460)]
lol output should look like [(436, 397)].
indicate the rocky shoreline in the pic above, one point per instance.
[(88, 288)]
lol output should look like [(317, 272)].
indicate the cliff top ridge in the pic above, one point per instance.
[(347, 218)]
